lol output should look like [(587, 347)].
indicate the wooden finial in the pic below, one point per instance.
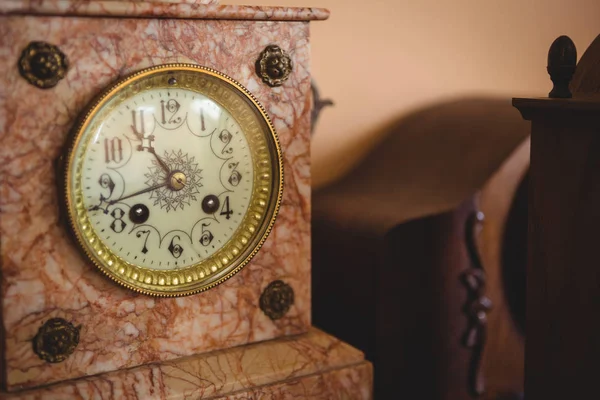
[(562, 60)]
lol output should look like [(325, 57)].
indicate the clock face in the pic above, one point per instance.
[(172, 180)]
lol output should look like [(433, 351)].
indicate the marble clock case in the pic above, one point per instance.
[(43, 274)]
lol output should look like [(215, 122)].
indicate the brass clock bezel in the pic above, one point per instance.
[(264, 203)]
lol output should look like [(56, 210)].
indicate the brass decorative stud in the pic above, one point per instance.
[(177, 180), (274, 66), (277, 299), (43, 64), (562, 61), (56, 340)]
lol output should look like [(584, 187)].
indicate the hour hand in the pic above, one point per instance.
[(162, 163)]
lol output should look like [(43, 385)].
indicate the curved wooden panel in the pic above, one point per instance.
[(586, 79), (504, 352)]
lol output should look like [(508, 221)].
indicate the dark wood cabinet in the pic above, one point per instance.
[(563, 274)]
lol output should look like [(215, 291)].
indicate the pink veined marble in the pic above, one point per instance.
[(173, 1), (312, 366), (174, 9), (43, 274), (177, 1)]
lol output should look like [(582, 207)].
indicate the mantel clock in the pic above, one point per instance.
[(155, 204), (172, 180)]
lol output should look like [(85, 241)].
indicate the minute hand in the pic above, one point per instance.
[(149, 189)]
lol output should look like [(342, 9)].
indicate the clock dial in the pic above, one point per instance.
[(173, 180)]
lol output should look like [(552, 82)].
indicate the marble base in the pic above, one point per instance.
[(313, 365)]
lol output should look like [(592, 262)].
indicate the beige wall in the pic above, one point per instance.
[(387, 58)]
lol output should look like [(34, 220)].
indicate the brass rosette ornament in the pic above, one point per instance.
[(172, 180), (274, 66), (277, 299), (43, 64), (56, 340)]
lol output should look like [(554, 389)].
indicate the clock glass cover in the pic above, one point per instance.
[(172, 179)]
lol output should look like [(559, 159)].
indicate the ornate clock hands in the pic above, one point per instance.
[(149, 189), (160, 160), (176, 180)]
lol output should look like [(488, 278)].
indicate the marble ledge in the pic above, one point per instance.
[(139, 9), (313, 365), (175, 1), (171, 1)]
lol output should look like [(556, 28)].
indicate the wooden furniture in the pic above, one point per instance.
[(563, 276), (411, 293), (406, 310), (504, 256)]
